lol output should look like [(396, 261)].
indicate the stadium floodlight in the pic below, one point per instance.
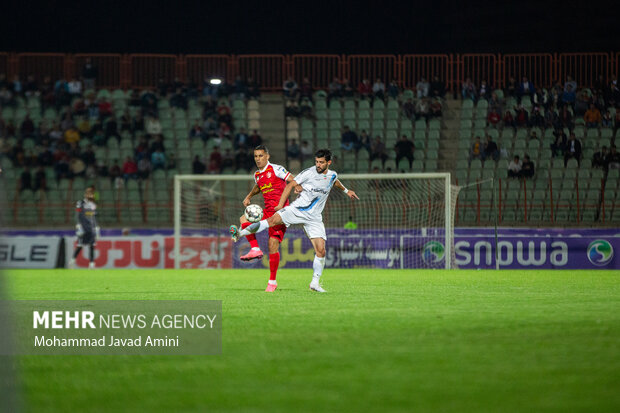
[(215, 81), (409, 216)]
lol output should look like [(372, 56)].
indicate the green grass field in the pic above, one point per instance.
[(380, 340)]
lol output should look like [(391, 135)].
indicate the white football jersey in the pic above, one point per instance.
[(316, 190)]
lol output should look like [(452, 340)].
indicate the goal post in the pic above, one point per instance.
[(402, 220)]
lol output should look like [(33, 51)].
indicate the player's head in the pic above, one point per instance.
[(89, 193), (322, 160), (261, 156)]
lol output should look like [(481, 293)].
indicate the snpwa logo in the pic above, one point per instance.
[(433, 252), (600, 252)]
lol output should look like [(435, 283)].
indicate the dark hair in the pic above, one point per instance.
[(324, 153), (261, 148)]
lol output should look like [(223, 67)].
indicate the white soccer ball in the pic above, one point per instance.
[(253, 213)]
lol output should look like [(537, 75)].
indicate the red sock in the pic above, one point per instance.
[(252, 237), (274, 262)]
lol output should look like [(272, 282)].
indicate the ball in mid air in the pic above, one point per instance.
[(253, 213)]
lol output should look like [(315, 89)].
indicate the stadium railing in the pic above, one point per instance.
[(270, 70)]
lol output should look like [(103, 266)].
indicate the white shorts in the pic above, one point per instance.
[(313, 225)]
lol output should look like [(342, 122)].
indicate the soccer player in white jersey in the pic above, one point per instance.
[(316, 182)]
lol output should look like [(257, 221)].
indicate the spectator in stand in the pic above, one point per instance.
[(224, 114), (409, 109), (485, 90), (526, 88), (378, 89), (105, 109), (607, 121), (494, 117), (89, 74), (582, 103), (334, 90), (130, 169), (198, 167), (215, 160), (599, 160), (293, 150), (404, 149), (144, 168), (209, 128), (541, 99), (178, 99), (242, 140), (613, 92), (512, 87), (509, 120), (365, 89), (559, 144), (75, 87), (111, 129), (72, 135), (27, 127), (435, 108), (569, 96), (306, 151), (158, 159), (253, 88), (152, 126), (88, 156), (527, 168), (377, 150), (348, 139), (393, 89), (491, 151), (570, 84), (157, 144), (514, 167), (115, 171), (244, 160), (305, 91), (196, 132), (347, 88), (255, 139), (468, 90), (364, 141), (422, 109), (290, 88), (291, 109), (566, 118), (613, 158), (593, 117), (422, 88), (438, 88), (537, 118), (522, 117), (573, 149), (476, 151), (25, 180)]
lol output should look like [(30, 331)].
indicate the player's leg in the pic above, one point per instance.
[(276, 234), (76, 252), (92, 255), (256, 227), (316, 232), (255, 252)]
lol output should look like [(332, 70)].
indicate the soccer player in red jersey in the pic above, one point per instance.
[(270, 179)]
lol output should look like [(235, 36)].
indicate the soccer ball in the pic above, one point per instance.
[(253, 213)]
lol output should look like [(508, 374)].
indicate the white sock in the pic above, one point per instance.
[(272, 282), (254, 228), (317, 266), (255, 249)]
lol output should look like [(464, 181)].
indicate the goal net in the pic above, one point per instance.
[(401, 221)]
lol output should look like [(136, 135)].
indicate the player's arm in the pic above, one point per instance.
[(349, 192), (255, 191), (298, 188), (285, 194)]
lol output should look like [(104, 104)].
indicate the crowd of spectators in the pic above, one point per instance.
[(85, 121), (561, 108)]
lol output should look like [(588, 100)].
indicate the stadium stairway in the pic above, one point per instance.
[(272, 126), (448, 147)]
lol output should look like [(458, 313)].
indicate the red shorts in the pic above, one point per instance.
[(277, 231)]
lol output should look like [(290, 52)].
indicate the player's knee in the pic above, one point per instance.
[(320, 252)]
